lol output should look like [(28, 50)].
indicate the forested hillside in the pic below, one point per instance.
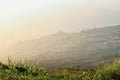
[(86, 49)]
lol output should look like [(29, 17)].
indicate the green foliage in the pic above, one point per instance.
[(26, 72), (22, 72), (109, 72)]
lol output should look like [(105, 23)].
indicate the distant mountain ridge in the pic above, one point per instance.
[(86, 49)]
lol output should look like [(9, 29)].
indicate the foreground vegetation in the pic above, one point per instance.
[(24, 72)]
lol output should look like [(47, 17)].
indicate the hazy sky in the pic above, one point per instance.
[(24, 19)]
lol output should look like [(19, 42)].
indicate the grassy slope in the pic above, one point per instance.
[(25, 72)]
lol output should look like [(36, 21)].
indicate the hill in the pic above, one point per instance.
[(86, 49)]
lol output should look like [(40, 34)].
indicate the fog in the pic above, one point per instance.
[(28, 19)]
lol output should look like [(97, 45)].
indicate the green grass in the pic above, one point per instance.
[(24, 72)]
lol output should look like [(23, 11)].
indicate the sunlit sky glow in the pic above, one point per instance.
[(26, 19), (12, 10), (15, 12)]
